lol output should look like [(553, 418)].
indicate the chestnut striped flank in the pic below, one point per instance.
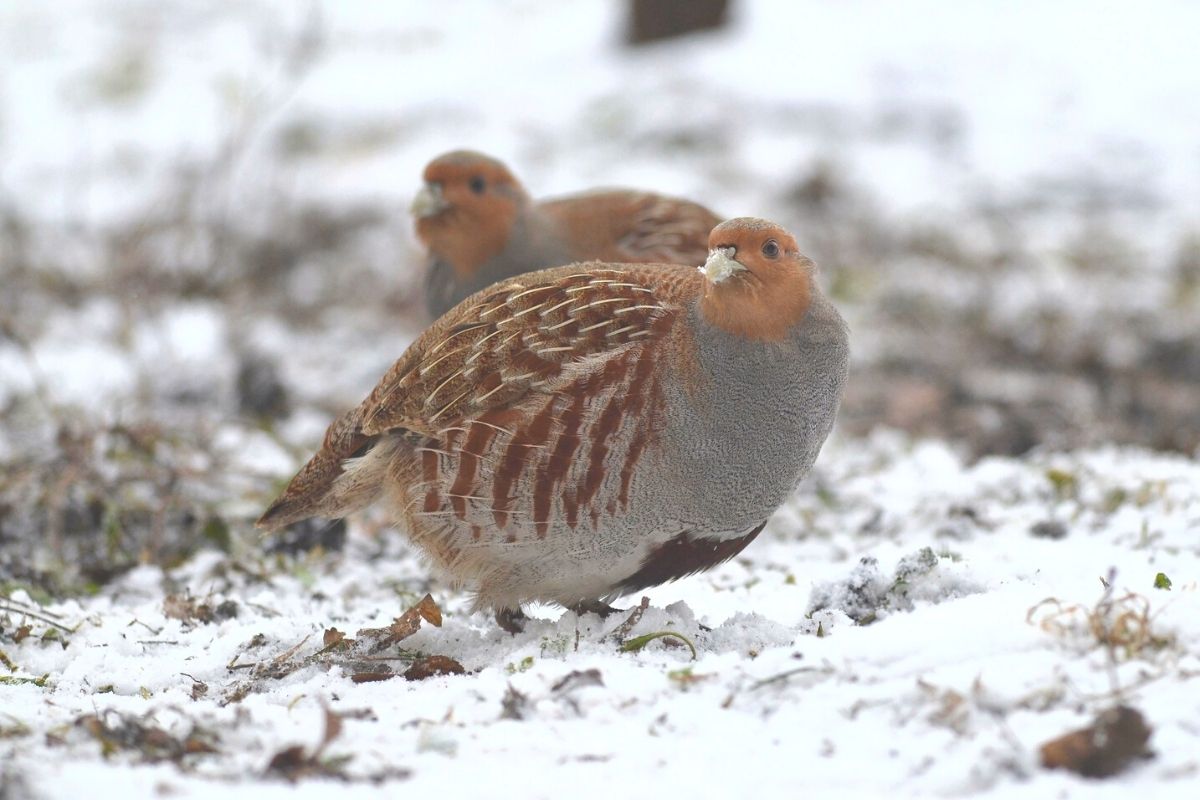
[(598, 434), (558, 463), (643, 395), (550, 463), (683, 556)]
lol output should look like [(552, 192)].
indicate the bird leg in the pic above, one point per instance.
[(511, 620)]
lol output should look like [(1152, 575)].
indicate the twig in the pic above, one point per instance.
[(151, 628), (635, 616), (1103, 607), (17, 604), (284, 656), (4, 606), (783, 676)]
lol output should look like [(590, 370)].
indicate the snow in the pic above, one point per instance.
[(1015, 103), (888, 633), (949, 691)]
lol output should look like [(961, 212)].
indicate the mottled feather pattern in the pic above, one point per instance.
[(528, 400), (668, 230), (518, 337), (500, 365), (630, 226)]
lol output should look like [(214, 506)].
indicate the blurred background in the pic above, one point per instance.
[(205, 251)]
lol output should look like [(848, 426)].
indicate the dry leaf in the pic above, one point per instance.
[(430, 611), (333, 637), (404, 625), (381, 674), (333, 729), (429, 666)]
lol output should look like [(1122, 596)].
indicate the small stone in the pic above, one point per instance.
[(260, 390), (652, 20), (1048, 529)]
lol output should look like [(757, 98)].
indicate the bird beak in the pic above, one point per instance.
[(429, 201), (721, 264)]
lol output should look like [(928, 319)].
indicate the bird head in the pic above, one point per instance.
[(466, 209), (757, 282)]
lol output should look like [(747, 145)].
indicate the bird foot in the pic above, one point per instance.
[(604, 610), (511, 620)]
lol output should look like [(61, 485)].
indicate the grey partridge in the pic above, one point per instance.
[(480, 226), (578, 433)]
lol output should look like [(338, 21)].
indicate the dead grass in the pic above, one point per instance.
[(1121, 624)]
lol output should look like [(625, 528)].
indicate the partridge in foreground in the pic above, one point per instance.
[(578, 433), (480, 226)]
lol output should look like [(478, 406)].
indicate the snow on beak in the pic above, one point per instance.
[(429, 201), (721, 264)]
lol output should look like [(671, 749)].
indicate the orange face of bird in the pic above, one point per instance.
[(466, 209), (758, 283)]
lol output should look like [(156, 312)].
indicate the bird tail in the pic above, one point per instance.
[(346, 474)]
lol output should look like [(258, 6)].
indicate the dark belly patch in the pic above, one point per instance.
[(683, 556)]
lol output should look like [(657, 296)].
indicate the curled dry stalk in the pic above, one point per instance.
[(1121, 624)]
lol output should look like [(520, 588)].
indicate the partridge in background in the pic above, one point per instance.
[(480, 226), (578, 433)]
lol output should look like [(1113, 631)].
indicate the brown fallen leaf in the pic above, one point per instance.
[(333, 640), (331, 637), (295, 762), (291, 763), (404, 625), (333, 729), (380, 674), (429, 666), (429, 611), (1102, 749)]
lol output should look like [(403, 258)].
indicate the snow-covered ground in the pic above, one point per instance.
[(1005, 202), (979, 652)]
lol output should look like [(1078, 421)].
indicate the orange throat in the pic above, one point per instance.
[(752, 309), (467, 241)]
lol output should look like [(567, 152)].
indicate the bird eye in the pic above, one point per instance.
[(770, 248), (477, 184)]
